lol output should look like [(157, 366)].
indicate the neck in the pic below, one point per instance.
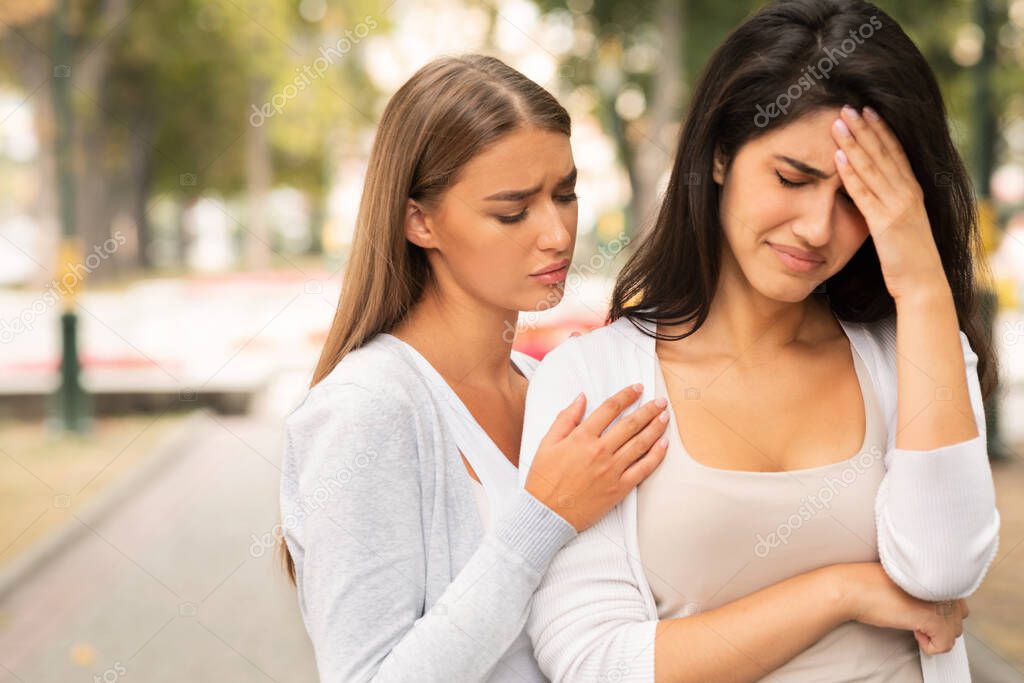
[(744, 323), (466, 341)]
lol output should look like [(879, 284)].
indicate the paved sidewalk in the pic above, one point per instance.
[(171, 586), (997, 609)]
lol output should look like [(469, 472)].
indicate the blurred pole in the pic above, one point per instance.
[(984, 119), (69, 410)]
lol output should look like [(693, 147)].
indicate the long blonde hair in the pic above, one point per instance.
[(447, 113)]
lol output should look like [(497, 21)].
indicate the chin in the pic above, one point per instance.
[(791, 292), (548, 298)]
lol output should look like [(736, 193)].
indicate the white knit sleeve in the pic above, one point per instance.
[(588, 621), (935, 511)]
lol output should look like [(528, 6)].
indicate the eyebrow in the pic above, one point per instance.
[(519, 195), (804, 168)]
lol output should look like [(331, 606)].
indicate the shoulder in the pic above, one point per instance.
[(622, 334), (351, 420), (596, 359), (371, 386), (599, 345)]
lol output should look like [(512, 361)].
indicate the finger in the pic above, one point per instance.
[(861, 160), (612, 407), (628, 427), (566, 420), (865, 136), (932, 644), (891, 143), (642, 468), (642, 442), (891, 179), (865, 199)]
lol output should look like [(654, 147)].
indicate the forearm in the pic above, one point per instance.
[(748, 638), (934, 406), (484, 608)]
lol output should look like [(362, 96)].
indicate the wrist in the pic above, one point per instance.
[(838, 593), (929, 294)]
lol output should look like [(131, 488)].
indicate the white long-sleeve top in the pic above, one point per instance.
[(593, 617)]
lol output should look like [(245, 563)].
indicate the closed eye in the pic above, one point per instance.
[(789, 183), (512, 219), (567, 198)]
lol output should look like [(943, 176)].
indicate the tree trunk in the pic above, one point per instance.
[(140, 174), (655, 154), (94, 208), (257, 174)]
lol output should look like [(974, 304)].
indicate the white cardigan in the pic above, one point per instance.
[(593, 617)]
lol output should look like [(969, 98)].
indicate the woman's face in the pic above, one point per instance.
[(783, 193), (508, 222)]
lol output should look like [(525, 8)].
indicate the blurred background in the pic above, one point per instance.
[(179, 181)]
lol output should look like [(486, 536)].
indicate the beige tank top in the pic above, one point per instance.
[(710, 536)]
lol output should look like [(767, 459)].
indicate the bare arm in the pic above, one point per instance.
[(938, 526), (748, 638), (934, 404), (732, 645)]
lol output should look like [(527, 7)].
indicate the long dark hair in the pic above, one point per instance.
[(761, 69), (447, 113)]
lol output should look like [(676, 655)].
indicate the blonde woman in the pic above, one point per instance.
[(414, 550), (806, 302)]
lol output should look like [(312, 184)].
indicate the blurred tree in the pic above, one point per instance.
[(168, 96), (643, 56), (335, 108)]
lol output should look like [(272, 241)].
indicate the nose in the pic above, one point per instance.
[(558, 231), (817, 219)]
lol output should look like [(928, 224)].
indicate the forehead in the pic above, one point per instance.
[(808, 138), (521, 158)]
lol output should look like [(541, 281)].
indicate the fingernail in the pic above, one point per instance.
[(872, 114), (664, 416), (842, 128), (661, 402), (841, 157), (638, 388), (851, 112), (663, 442)]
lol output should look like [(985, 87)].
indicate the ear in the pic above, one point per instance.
[(418, 226), (718, 170)]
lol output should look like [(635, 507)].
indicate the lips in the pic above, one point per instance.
[(798, 253), (552, 268), (794, 263)]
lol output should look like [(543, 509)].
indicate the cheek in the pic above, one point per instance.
[(851, 236), (472, 243), (856, 228), (570, 215), (747, 221), (493, 255)]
